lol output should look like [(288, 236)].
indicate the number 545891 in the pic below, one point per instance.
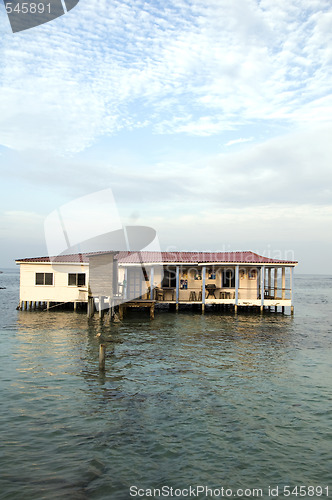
[(28, 8)]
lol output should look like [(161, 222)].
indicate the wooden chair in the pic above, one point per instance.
[(159, 294)]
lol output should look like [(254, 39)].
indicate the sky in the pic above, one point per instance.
[(210, 121)]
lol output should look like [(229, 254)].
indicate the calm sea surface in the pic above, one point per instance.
[(215, 400)]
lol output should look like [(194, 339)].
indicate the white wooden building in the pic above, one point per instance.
[(125, 279), (45, 282)]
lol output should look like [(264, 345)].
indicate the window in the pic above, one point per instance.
[(252, 274), (76, 279), (44, 278), (228, 278), (169, 280), (211, 274)]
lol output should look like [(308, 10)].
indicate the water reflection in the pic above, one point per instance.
[(218, 398), (208, 342)]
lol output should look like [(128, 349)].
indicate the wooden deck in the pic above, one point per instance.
[(137, 304)]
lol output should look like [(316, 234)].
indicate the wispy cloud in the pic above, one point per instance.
[(239, 141), (149, 98), (110, 66)]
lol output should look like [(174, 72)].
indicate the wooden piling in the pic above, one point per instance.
[(292, 310), (102, 356), (101, 307), (91, 307), (111, 308), (152, 311)]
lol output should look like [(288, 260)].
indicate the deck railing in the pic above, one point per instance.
[(195, 294)]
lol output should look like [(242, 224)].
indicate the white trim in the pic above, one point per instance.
[(56, 263)]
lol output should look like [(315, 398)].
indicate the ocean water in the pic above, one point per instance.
[(218, 401)]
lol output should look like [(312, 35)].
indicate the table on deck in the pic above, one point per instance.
[(163, 291), (211, 290)]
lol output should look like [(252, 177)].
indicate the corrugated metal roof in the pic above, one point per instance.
[(72, 258), (247, 257)]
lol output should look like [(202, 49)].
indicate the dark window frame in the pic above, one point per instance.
[(228, 278), (169, 279), (76, 279), (44, 279)]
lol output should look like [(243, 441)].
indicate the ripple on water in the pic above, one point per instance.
[(185, 399)]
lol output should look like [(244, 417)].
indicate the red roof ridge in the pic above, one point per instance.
[(162, 256)]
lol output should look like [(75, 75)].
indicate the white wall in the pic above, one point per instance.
[(59, 291)]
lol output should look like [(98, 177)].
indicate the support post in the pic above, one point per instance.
[(203, 288), (275, 282), (151, 283), (125, 284), (262, 287), (75, 306), (283, 282), (110, 308), (48, 305), (102, 356), (101, 307), (121, 308), (291, 288), (236, 285), (91, 307), (269, 281), (177, 294), (236, 288), (152, 311)]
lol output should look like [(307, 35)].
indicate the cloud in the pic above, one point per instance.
[(196, 68), (239, 141), (287, 170)]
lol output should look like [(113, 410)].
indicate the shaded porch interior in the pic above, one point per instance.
[(206, 284)]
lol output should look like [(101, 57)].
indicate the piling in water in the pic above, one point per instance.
[(102, 355)]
